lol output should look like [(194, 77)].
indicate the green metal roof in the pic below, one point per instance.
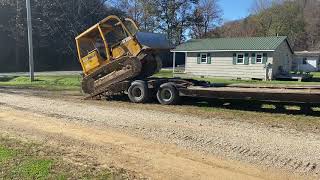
[(232, 44)]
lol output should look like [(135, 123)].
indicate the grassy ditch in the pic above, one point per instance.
[(314, 81), (21, 160), (71, 82)]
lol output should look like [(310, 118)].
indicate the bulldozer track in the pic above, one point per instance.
[(88, 81), (125, 68)]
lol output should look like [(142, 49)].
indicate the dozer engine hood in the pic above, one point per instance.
[(153, 41)]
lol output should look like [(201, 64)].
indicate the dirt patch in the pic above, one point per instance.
[(22, 159)]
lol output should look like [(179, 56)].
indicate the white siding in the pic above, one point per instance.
[(282, 57), (222, 66), (312, 64)]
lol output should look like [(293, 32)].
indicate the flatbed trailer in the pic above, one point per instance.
[(285, 95), (170, 90)]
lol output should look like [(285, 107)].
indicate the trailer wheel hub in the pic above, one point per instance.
[(167, 95), (137, 92)]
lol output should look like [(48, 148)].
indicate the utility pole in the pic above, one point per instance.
[(31, 66), (17, 32)]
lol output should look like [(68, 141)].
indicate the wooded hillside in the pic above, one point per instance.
[(297, 19), (56, 23)]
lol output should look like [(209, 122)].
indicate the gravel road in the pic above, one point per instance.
[(271, 147)]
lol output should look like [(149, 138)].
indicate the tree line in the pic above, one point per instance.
[(297, 19), (56, 24), (180, 20)]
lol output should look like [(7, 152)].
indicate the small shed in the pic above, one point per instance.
[(237, 58), (306, 61)]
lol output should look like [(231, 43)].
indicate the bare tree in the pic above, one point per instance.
[(172, 16), (262, 5), (312, 19), (141, 11), (205, 17)]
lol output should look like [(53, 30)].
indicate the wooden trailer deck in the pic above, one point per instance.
[(309, 95)]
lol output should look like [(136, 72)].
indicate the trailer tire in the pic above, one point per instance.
[(168, 94), (138, 92)]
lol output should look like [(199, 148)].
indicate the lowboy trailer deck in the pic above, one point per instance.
[(285, 95), (169, 91)]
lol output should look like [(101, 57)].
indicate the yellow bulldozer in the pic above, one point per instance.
[(114, 50)]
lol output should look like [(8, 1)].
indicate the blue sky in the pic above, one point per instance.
[(235, 9)]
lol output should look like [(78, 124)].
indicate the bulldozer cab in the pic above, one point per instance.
[(107, 41)]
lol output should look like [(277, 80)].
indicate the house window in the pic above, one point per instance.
[(259, 58), (203, 58), (240, 58), (304, 61)]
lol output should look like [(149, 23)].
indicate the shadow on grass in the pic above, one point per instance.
[(7, 78), (222, 84), (39, 80), (314, 80)]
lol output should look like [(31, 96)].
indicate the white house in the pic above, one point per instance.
[(306, 61), (263, 58)]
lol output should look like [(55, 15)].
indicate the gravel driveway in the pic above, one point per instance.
[(274, 147)]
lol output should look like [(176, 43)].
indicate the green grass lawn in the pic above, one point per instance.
[(43, 82), (72, 82), (23, 160), (18, 164), (164, 74), (168, 73), (316, 74), (5, 154)]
